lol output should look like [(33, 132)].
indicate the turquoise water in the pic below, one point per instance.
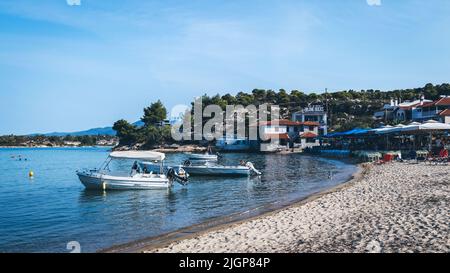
[(45, 213)]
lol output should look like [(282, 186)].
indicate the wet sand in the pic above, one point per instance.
[(397, 207)]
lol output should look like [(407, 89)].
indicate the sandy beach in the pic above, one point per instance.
[(396, 207)]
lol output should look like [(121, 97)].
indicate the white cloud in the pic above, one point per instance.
[(374, 2), (73, 2)]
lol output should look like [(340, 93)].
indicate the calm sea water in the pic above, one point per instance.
[(45, 213)]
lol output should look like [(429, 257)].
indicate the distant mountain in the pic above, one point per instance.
[(91, 132), (106, 131)]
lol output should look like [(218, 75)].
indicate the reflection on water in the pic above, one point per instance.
[(45, 213)]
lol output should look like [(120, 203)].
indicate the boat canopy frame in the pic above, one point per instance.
[(138, 156)]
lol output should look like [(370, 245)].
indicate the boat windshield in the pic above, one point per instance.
[(123, 167)]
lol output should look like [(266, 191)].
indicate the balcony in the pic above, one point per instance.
[(430, 114)]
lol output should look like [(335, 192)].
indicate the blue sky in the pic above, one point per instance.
[(71, 67)]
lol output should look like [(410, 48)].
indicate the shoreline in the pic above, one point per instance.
[(224, 222), (390, 208), (42, 147)]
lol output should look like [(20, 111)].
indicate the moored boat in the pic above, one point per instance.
[(204, 157), (137, 179), (210, 169), (208, 156)]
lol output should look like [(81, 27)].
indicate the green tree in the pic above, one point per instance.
[(156, 136), (259, 96), (271, 97), (155, 113), (128, 133), (218, 100), (283, 98), (244, 98), (230, 99)]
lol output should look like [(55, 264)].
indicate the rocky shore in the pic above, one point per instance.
[(396, 207)]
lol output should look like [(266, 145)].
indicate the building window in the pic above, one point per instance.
[(311, 118)]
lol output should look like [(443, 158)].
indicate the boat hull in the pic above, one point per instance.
[(216, 171), (203, 157), (104, 182)]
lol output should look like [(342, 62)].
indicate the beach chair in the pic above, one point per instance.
[(422, 158), (388, 157), (440, 158), (443, 156)]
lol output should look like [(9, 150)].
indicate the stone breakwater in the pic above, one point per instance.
[(397, 207)]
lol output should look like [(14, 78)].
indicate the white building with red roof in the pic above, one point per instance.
[(445, 116), (435, 110), (287, 134), (314, 113), (418, 110), (399, 111)]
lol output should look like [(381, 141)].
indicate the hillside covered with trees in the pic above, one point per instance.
[(347, 109)]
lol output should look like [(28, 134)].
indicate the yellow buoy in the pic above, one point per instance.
[(31, 174), (104, 186)]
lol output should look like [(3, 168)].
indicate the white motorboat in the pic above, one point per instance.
[(204, 157), (137, 179), (233, 144), (208, 156), (210, 169)]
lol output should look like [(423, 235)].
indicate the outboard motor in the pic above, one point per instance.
[(187, 163), (181, 176), (252, 168)]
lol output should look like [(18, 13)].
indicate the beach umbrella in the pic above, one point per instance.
[(411, 127), (397, 128), (382, 129), (435, 126), (430, 126)]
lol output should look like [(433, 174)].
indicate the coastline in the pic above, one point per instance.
[(396, 207), (152, 243), (182, 149), (43, 146)]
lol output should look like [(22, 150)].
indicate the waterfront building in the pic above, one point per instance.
[(445, 116), (397, 111), (289, 134), (433, 110), (313, 113), (419, 110)]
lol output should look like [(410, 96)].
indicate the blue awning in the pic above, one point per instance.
[(357, 131), (353, 132)]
